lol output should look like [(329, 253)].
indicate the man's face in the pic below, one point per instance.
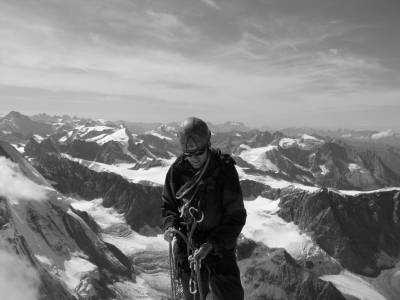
[(198, 161)]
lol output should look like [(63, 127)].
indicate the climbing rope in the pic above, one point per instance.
[(195, 265), (172, 272)]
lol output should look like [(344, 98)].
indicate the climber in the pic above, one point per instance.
[(202, 201)]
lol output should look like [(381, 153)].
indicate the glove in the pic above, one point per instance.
[(169, 235)]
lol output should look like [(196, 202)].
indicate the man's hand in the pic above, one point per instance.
[(169, 235), (202, 252)]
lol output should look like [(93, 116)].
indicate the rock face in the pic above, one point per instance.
[(19, 123), (273, 274), (146, 154), (101, 254), (263, 139), (159, 147), (49, 228), (384, 138), (112, 152), (29, 171), (140, 204), (390, 155), (311, 161), (361, 232), (11, 241), (350, 169), (81, 149)]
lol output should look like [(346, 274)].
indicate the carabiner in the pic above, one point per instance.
[(202, 214), (183, 209), (192, 283)]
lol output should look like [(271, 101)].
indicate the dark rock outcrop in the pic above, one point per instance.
[(18, 123), (81, 149), (50, 286), (27, 169), (159, 146), (88, 220), (38, 151), (140, 204), (338, 157), (273, 274), (390, 155), (362, 232), (57, 230), (99, 253), (263, 139), (111, 153)]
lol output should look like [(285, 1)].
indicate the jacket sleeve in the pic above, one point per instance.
[(169, 208), (234, 214)]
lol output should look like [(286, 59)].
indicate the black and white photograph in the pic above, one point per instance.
[(199, 149)]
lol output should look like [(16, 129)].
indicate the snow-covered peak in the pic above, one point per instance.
[(257, 157), (304, 141), (234, 123), (118, 135)]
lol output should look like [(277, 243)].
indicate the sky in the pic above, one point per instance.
[(277, 63)]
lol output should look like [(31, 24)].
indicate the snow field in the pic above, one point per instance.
[(19, 147), (351, 284), (75, 268), (263, 225), (324, 169), (117, 232), (159, 135), (272, 182), (155, 174), (305, 142), (118, 136), (257, 157)]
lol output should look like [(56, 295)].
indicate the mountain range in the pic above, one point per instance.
[(79, 210)]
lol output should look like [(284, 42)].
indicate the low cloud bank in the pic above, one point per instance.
[(382, 134), (18, 280), (15, 186)]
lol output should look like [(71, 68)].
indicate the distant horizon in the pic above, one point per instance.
[(355, 127)]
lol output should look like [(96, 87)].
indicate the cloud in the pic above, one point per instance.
[(176, 52), (333, 51), (382, 134), (15, 186), (211, 3), (18, 280)]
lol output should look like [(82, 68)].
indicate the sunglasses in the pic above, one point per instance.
[(197, 153)]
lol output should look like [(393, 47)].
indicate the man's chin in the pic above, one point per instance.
[(196, 165)]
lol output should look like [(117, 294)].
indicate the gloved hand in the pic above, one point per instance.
[(169, 235), (202, 252)]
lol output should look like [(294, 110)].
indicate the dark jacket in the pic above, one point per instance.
[(219, 197)]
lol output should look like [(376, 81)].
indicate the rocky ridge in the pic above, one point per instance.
[(57, 232), (274, 274), (360, 231), (16, 122), (140, 204)]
